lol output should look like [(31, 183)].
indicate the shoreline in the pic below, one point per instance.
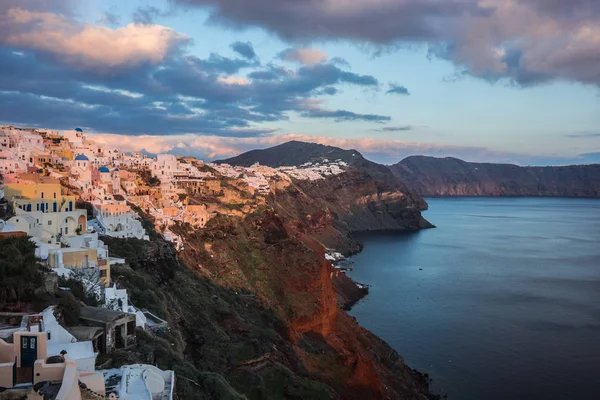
[(349, 291), (365, 289)]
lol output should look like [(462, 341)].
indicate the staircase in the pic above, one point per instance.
[(95, 225)]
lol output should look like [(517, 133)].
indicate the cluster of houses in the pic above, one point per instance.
[(47, 172), (45, 177), (65, 191), (40, 359)]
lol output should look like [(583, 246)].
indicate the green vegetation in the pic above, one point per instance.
[(206, 168), (215, 335), (19, 274), (147, 178), (70, 308), (85, 205)]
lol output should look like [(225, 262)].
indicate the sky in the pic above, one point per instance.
[(484, 80)]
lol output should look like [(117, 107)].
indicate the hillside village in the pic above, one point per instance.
[(66, 193)]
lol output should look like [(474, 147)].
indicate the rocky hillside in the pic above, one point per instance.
[(430, 176), (253, 315), (255, 310), (369, 177), (330, 210), (272, 258), (292, 153)]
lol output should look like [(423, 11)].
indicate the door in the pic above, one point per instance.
[(28, 347), (28, 351), (86, 261)]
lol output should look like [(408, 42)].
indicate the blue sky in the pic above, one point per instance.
[(458, 103)]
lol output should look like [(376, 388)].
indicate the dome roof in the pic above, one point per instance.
[(78, 130), (116, 170), (103, 169), (82, 157)]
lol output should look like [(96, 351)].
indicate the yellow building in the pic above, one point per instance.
[(80, 258), (112, 210), (43, 211)]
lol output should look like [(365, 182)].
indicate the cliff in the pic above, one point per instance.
[(255, 310), (254, 307), (430, 176), (277, 254), (358, 200), (253, 314)]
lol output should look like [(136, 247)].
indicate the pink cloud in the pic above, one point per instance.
[(88, 46), (304, 56), (379, 150)]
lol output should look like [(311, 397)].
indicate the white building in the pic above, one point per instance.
[(81, 171), (75, 137), (164, 167), (140, 382), (118, 299), (115, 218), (10, 163)]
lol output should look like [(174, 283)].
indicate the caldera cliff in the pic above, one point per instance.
[(431, 177), (254, 307)]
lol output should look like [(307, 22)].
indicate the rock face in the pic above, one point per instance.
[(430, 176), (277, 253), (254, 305), (367, 197), (284, 268), (358, 200)]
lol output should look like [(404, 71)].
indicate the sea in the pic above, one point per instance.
[(501, 301)]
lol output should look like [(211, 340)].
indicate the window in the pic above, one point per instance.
[(49, 223), (54, 195), (42, 195)]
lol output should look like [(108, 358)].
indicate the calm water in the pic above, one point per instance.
[(507, 304)]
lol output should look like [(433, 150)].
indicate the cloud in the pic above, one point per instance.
[(64, 7), (395, 128), (580, 135), (343, 115), (379, 150), (110, 17), (272, 73), (232, 80), (182, 94), (397, 89), (327, 91), (303, 56), (522, 42), (88, 47), (244, 49), (220, 64), (146, 15), (330, 74)]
